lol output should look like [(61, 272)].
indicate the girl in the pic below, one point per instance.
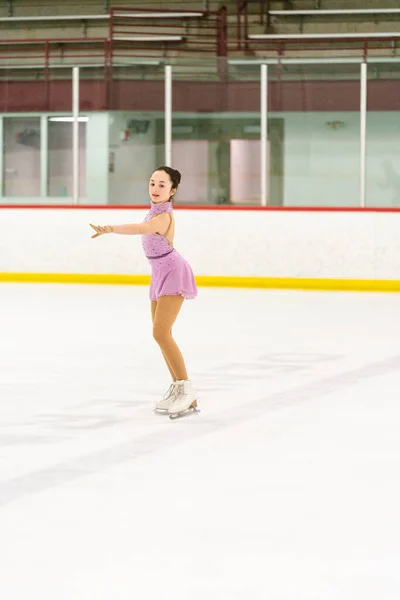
[(171, 282)]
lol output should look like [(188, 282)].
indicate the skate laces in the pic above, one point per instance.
[(170, 390), (180, 393)]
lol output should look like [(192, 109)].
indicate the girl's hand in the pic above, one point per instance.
[(100, 230)]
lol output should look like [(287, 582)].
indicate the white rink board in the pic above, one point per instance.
[(348, 245)]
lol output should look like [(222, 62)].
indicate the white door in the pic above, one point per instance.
[(246, 171), (190, 157)]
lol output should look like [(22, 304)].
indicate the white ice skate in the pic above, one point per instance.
[(184, 402), (163, 405)]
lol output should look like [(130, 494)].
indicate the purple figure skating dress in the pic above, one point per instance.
[(171, 275)]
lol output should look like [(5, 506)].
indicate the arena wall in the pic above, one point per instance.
[(286, 248)]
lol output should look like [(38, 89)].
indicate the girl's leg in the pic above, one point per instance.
[(153, 314), (166, 311)]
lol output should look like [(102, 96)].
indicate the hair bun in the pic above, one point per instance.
[(178, 176)]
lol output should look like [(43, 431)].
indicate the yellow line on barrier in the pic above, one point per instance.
[(289, 283), (84, 278)]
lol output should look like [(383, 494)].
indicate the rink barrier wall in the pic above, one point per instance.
[(309, 248)]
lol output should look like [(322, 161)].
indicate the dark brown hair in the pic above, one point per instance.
[(174, 175)]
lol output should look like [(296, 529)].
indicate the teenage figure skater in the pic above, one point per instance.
[(172, 281)]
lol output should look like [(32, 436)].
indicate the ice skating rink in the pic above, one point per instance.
[(285, 487)]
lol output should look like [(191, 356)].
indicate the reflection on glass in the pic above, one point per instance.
[(21, 157), (220, 157), (60, 175)]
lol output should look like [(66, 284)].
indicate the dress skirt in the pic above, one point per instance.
[(171, 275)]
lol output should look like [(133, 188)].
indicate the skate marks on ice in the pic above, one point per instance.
[(49, 428), (98, 461), (103, 412), (266, 367), (98, 413)]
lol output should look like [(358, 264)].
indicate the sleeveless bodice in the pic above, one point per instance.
[(155, 244)]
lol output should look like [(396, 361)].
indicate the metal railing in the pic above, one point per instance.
[(171, 30), (141, 31), (339, 45), (266, 13), (318, 44)]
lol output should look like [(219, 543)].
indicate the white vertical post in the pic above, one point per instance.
[(44, 156), (75, 135), (363, 132), (264, 134), (2, 174), (168, 115)]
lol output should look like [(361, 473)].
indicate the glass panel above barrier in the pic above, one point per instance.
[(216, 132), (136, 124), (383, 135), (314, 112)]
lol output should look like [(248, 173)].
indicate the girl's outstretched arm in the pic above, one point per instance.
[(151, 226)]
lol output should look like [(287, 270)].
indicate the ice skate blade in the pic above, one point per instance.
[(185, 413), (161, 411)]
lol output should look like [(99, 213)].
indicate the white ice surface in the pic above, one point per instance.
[(285, 487)]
